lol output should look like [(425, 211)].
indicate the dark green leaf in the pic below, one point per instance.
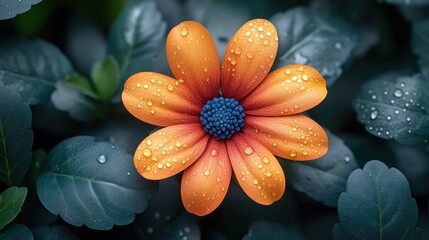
[(80, 107), (11, 201), (274, 231), (93, 183), (325, 44), (16, 232), (377, 205), (407, 2), (420, 43), (32, 67), (105, 77), (136, 37), (53, 233), (395, 108), (16, 137), (82, 84), (323, 179), (11, 8)]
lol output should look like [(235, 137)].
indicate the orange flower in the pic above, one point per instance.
[(210, 134)]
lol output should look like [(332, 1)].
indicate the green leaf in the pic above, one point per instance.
[(82, 84), (80, 107), (377, 205), (32, 67), (93, 183), (325, 44), (183, 227), (16, 232), (11, 201), (105, 77), (395, 108), (136, 37), (407, 2), (262, 230), (323, 179), (16, 137), (55, 232), (11, 8), (420, 43)]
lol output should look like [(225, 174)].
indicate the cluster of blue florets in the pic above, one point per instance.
[(222, 117)]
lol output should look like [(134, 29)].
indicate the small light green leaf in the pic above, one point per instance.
[(377, 205), (11, 201), (395, 108), (262, 230), (16, 232), (325, 44), (136, 37), (105, 77), (407, 2), (80, 107), (93, 183), (420, 43), (323, 179), (11, 8), (32, 67), (55, 232), (82, 84), (16, 137)]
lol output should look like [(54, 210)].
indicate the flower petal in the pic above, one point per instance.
[(170, 150), (257, 170), (205, 183), (294, 137), (248, 58), (160, 100), (288, 90), (193, 59)]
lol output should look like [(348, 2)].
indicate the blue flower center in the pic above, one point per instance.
[(222, 117)]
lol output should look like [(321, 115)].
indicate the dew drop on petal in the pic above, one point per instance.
[(248, 150), (147, 152), (255, 181), (397, 93), (184, 31), (213, 152), (160, 165), (207, 172)]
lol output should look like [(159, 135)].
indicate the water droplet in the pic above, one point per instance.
[(408, 119), (288, 71), (178, 144), (347, 159), (160, 165), (250, 39), (207, 172), (146, 86), (292, 154), (248, 150), (147, 152), (265, 159), (237, 50), (128, 173), (397, 93), (149, 103), (304, 77), (184, 31), (213, 152), (260, 28), (255, 181), (249, 55), (101, 158), (170, 87), (374, 115), (338, 46), (266, 42), (139, 85)]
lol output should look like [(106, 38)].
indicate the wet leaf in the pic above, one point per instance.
[(183, 227), (11, 8), (32, 67), (420, 43), (93, 183), (323, 179), (325, 44), (11, 201), (274, 231), (395, 108), (16, 137), (377, 205), (136, 37), (16, 232)]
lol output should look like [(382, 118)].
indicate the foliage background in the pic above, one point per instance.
[(63, 63)]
